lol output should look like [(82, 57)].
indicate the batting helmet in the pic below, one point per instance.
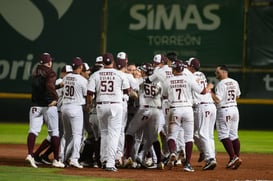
[(178, 65), (147, 68)]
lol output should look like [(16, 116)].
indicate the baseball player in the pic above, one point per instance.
[(85, 156), (44, 158), (227, 119), (161, 73), (121, 64), (132, 102), (179, 93), (204, 117), (108, 85), (44, 101), (180, 144), (90, 155), (75, 90), (147, 117)]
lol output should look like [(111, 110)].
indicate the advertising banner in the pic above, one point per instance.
[(260, 36), (65, 29), (208, 29)]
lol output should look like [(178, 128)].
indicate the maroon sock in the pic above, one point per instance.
[(157, 151), (55, 141), (42, 147), (48, 151), (172, 146), (188, 148), (236, 147), (229, 147), (128, 145), (30, 143)]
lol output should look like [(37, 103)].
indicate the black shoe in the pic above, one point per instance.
[(46, 160), (210, 164), (232, 162), (165, 160), (38, 160)]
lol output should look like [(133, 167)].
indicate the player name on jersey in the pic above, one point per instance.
[(107, 75)]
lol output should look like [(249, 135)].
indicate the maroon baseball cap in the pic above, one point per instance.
[(107, 58), (77, 61), (121, 63), (194, 62), (45, 58)]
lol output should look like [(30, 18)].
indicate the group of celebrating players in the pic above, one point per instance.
[(118, 115)]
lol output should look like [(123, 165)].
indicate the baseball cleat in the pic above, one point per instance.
[(118, 163), (171, 161), (128, 163), (111, 169), (31, 160), (46, 160), (149, 162), (178, 162), (188, 167), (210, 164), (232, 162), (37, 160), (181, 156), (75, 164), (237, 164), (57, 164)]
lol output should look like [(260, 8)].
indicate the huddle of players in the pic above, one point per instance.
[(170, 98)]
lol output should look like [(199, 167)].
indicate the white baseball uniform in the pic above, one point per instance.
[(160, 75), (74, 92), (227, 120), (108, 85), (204, 119), (134, 86), (147, 117), (179, 93)]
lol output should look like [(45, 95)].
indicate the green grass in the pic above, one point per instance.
[(16, 133), (40, 174), (251, 141)]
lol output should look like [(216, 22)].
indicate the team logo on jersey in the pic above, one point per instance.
[(26, 18)]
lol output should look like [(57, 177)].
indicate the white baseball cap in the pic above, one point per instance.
[(67, 69), (85, 67), (159, 58), (122, 55), (99, 59)]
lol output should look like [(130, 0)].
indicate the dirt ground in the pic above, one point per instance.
[(254, 167)]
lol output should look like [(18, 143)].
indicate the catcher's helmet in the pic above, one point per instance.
[(147, 68), (178, 65)]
